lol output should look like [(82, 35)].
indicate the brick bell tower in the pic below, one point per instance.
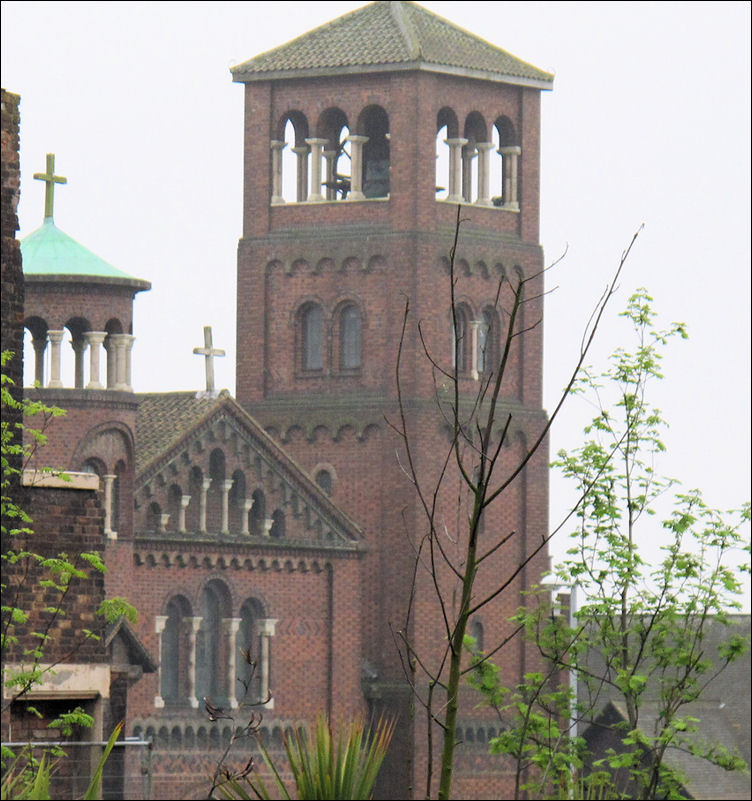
[(79, 318), (362, 137)]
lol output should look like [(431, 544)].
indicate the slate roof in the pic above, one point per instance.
[(385, 36), (723, 711), (164, 418)]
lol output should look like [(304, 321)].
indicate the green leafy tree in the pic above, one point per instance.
[(479, 428), (641, 633)]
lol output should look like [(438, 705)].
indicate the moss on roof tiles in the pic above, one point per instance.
[(388, 34), (164, 418), (50, 251)]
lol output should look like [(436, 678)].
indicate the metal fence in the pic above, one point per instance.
[(127, 774)]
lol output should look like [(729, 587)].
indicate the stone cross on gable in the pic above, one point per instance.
[(50, 180), (209, 352)]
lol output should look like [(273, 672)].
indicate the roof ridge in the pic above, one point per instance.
[(406, 28)]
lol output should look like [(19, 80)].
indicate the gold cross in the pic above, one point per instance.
[(50, 180)]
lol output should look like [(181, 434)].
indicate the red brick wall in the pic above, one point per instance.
[(379, 253)]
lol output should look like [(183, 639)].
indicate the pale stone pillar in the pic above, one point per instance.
[(56, 339), (205, 484), (195, 625), (40, 345), (484, 173), (454, 193), (277, 148), (163, 521), (160, 621), (510, 155), (474, 349), (79, 346), (317, 147), (120, 343), (356, 166), (184, 501), (232, 625), (109, 480), (330, 174), (111, 362), (266, 527), (302, 182), (130, 339), (226, 487), (247, 506), (468, 154), (266, 629), (94, 339)]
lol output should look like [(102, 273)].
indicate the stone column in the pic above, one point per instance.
[(266, 527), (205, 484), (330, 174), (79, 346), (474, 349), (94, 339), (226, 487), (266, 629), (40, 345), (510, 155), (317, 147), (163, 521), (484, 173), (195, 625), (109, 480), (184, 501), (160, 621), (120, 343), (111, 362), (247, 506), (468, 154), (454, 193), (231, 625), (302, 182), (130, 339), (356, 166), (56, 338), (277, 148)]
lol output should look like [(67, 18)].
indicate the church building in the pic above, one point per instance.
[(284, 522)]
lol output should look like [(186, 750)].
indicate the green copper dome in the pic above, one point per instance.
[(50, 251)]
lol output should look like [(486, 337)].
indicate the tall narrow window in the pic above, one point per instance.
[(460, 341), (312, 337), (349, 338), (488, 337), (175, 656)]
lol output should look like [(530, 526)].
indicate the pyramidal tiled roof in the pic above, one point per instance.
[(385, 36)]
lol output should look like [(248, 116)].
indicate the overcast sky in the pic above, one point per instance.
[(648, 122)]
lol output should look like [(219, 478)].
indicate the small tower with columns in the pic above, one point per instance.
[(79, 322)]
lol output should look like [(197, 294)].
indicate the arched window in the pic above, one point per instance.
[(476, 632), (488, 342), (349, 338), (374, 124), (175, 655), (448, 154), (174, 497), (237, 500), (312, 337), (251, 612), (473, 161), (154, 517), (257, 514), (117, 496), (461, 339), (324, 481), (506, 189), (278, 524), (211, 650)]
